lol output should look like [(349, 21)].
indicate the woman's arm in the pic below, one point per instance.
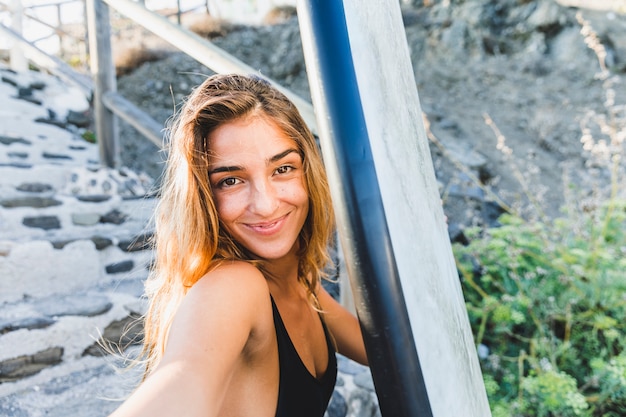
[(344, 327), (207, 338)]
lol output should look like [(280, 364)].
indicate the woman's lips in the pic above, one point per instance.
[(267, 228)]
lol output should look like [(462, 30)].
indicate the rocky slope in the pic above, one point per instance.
[(507, 88)]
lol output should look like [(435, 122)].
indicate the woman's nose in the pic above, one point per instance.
[(263, 199)]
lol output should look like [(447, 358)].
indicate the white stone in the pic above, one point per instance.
[(38, 270), (85, 219)]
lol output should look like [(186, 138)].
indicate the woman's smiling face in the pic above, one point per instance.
[(257, 176)]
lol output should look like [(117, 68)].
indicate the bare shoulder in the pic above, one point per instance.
[(234, 289), (232, 279), (223, 317), (230, 303)]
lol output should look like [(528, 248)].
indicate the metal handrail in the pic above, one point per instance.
[(202, 50), (109, 104), (122, 108), (57, 29), (53, 64)]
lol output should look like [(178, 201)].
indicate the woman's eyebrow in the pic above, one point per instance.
[(234, 168), (283, 154), (225, 169)]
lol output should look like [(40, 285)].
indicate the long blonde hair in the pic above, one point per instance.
[(189, 240)]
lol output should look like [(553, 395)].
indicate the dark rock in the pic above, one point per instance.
[(118, 336), (29, 323), (141, 242), (114, 216), (42, 222), (21, 155), (101, 242), (456, 234), (24, 92), (96, 198), (9, 80), (17, 165), (77, 147), (7, 140), (86, 305), (50, 155), (37, 85), (411, 17), (34, 187), (54, 122), (50, 356), (484, 174), (60, 244), (31, 99), (491, 212), (78, 119), (27, 365), (118, 267), (35, 202)]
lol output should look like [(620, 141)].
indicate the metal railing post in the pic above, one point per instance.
[(389, 214), (86, 24), (103, 72), (18, 61), (59, 30)]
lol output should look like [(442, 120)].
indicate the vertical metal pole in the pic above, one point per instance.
[(178, 13), (17, 58), (103, 72), (363, 228), (391, 224)]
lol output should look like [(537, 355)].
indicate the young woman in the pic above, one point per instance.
[(238, 324)]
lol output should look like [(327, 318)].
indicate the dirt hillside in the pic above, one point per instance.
[(508, 89)]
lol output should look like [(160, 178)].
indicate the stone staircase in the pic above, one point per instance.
[(73, 253), (73, 257)]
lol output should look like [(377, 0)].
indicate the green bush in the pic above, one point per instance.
[(549, 302), (547, 298)]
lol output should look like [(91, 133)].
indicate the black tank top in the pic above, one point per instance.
[(300, 394)]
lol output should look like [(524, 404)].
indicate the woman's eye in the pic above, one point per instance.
[(283, 169), (228, 182)]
